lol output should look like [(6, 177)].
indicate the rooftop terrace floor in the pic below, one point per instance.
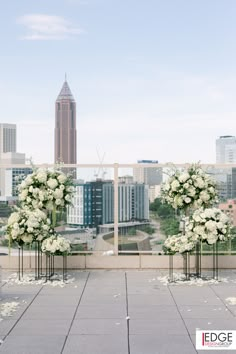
[(114, 312)]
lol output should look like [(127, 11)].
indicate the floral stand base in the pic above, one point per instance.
[(20, 262), (38, 261), (50, 267), (198, 265)]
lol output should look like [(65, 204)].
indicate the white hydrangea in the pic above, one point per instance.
[(192, 188), (210, 225), (25, 225), (56, 245)]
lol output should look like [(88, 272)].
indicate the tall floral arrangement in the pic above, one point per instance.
[(209, 225), (46, 189), (25, 226), (192, 188), (56, 245), (180, 243)]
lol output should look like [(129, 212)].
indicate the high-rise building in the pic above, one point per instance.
[(93, 203), (7, 138), (8, 156), (151, 176), (65, 127), (226, 149)]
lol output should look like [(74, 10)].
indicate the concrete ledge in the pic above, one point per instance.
[(119, 262)]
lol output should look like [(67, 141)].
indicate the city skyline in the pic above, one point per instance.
[(152, 80)]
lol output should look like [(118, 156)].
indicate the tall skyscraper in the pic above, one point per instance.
[(65, 127), (226, 149)]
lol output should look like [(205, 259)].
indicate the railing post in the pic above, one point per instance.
[(116, 218)]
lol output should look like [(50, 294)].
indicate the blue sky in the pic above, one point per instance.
[(152, 79)]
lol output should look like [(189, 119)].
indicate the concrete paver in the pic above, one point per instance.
[(114, 312)]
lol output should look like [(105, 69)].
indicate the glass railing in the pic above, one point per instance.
[(115, 209)]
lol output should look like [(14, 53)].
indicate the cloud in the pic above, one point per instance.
[(46, 27)]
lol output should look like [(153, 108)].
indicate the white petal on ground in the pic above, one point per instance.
[(231, 300)]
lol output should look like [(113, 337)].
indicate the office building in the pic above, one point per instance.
[(226, 149), (150, 176), (7, 138), (8, 157), (93, 203)]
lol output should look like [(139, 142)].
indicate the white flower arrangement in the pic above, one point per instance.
[(191, 188), (26, 226), (46, 189), (209, 225), (180, 243), (56, 245)]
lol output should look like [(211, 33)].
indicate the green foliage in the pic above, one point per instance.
[(169, 223), (132, 231), (148, 229), (77, 247), (163, 209), (170, 226)]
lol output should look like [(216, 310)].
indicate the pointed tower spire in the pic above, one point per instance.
[(65, 93)]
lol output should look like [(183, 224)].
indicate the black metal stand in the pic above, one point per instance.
[(64, 268), (171, 266), (38, 261), (20, 262), (186, 265), (215, 268), (50, 267), (198, 259)]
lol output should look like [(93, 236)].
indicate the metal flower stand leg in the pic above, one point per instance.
[(215, 269), (20, 262), (64, 268), (186, 265), (49, 266), (171, 265), (198, 259), (38, 261)]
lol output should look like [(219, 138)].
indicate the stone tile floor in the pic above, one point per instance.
[(114, 312)]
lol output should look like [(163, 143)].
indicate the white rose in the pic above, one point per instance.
[(41, 176), (184, 177), (191, 191), (58, 193), (187, 200), (174, 185), (23, 195), (211, 225), (199, 183), (52, 183), (58, 201), (62, 178), (204, 196), (27, 238), (28, 181), (68, 198)]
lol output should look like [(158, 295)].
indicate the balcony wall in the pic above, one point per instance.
[(118, 262)]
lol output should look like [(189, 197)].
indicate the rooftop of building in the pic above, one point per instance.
[(115, 311)]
